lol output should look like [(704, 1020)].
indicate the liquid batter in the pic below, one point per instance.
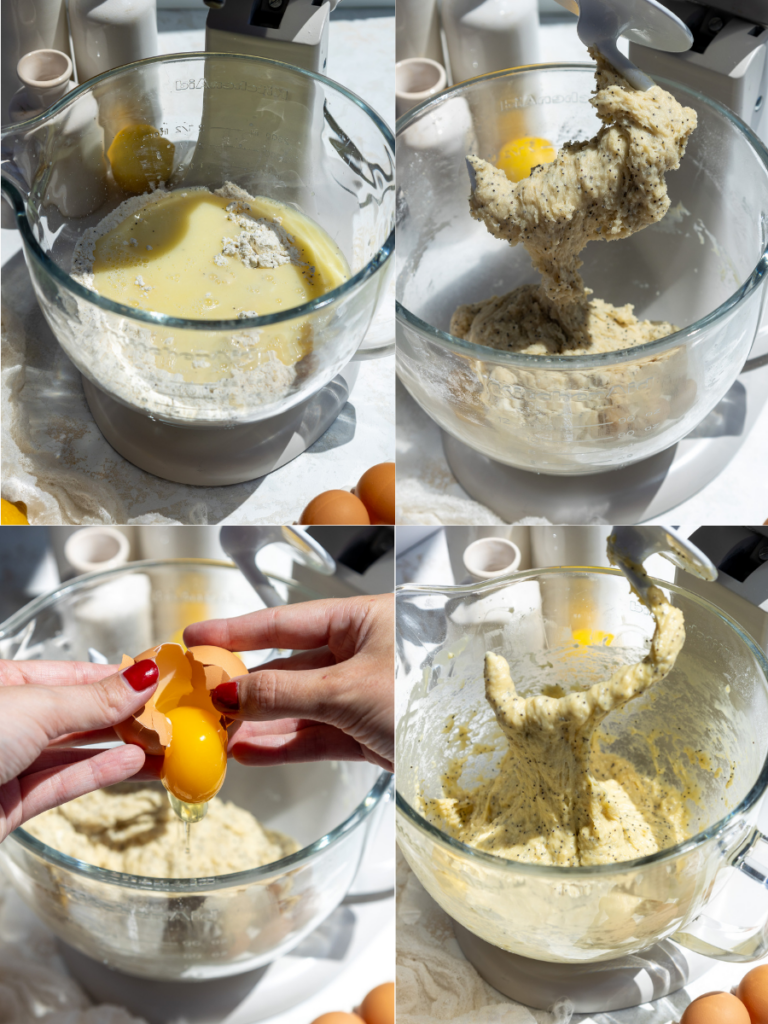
[(223, 255), (178, 256), (558, 797), (603, 189)]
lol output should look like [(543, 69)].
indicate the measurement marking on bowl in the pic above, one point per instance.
[(530, 100), (263, 90)]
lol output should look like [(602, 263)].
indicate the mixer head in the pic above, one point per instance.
[(293, 31), (750, 10), (728, 60)]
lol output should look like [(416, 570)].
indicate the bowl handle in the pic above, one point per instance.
[(736, 944)]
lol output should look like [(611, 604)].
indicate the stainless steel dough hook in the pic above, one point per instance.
[(243, 543)]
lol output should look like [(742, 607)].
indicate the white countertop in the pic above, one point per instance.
[(738, 495), (361, 57)]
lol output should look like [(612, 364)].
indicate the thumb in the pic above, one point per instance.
[(59, 710), (266, 695)]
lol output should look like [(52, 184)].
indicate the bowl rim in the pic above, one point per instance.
[(33, 248), (42, 601), (380, 790), (596, 360), (574, 873)]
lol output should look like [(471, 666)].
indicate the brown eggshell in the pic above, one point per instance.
[(226, 660), (379, 1005), (753, 992), (338, 1017), (334, 507), (150, 729), (214, 676), (716, 1008), (130, 731), (184, 670), (376, 490)]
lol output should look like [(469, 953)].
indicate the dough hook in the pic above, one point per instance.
[(601, 22), (629, 546), (243, 543)]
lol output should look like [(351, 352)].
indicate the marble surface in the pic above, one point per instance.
[(738, 495), (361, 57)]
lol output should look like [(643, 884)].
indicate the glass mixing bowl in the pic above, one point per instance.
[(710, 715), (274, 130), (702, 268), (194, 928)]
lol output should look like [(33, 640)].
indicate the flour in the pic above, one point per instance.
[(261, 243), (121, 355)]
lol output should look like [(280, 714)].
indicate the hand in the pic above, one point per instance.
[(46, 705), (335, 700)]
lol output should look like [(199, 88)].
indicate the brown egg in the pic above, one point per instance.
[(186, 677), (231, 663), (337, 1017), (753, 992), (376, 490), (716, 1008), (333, 507), (379, 1005)]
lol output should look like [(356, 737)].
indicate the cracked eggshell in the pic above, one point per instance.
[(131, 731), (185, 680), (229, 662)]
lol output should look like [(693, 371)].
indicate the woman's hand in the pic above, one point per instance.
[(45, 705), (335, 700)]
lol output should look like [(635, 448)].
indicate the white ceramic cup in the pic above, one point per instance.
[(45, 75), (97, 547), (491, 556), (417, 79)]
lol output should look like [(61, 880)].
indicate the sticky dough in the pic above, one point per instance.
[(603, 189), (558, 797), (131, 828)]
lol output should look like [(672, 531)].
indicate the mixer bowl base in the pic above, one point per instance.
[(632, 494), (217, 456), (199, 1002), (591, 987)]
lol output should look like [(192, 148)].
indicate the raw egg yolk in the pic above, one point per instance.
[(196, 759), (518, 157), (140, 158), (592, 637), (13, 513)]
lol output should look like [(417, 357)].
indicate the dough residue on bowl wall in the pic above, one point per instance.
[(131, 828), (558, 798)]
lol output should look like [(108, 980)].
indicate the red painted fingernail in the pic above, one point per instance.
[(225, 695), (141, 675)]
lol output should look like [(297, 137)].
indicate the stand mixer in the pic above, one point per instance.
[(266, 126), (741, 555), (728, 64), (441, 634), (294, 31)]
